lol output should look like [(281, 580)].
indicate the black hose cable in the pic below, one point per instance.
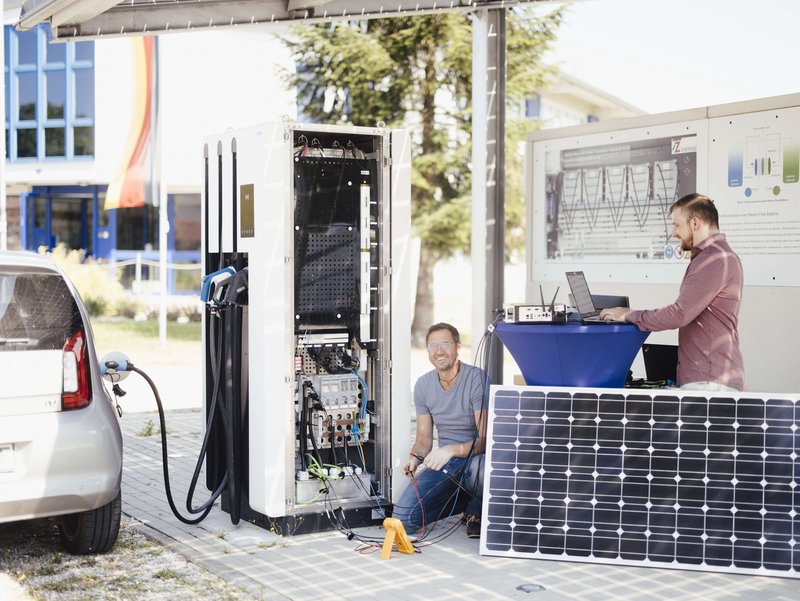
[(313, 438), (303, 440), (331, 438), (164, 456), (230, 413), (214, 407), (308, 414)]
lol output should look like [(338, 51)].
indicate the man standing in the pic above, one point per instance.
[(706, 312), (451, 398)]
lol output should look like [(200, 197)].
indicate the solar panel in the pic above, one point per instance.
[(648, 478)]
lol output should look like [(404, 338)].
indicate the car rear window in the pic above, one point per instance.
[(37, 312)]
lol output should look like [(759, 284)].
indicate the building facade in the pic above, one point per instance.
[(70, 109)]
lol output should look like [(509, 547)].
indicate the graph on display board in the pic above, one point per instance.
[(657, 478)]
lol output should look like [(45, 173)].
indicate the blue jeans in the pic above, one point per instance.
[(441, 494)]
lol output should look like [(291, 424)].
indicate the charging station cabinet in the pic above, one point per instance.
[(311, 366)]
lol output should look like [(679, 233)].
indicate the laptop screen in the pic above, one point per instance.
[(580, 292)]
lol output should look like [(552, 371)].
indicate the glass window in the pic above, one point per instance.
[(39, 212), (102, 213), (67, 221), (49, 85), (56, 82), (6, 89), (84, 51), (84, 93), (26, 143), (27, 96), (137, 228), (26, 47), (83, 140), (37, 312), (54, 142), (187, 221), (56, 53)]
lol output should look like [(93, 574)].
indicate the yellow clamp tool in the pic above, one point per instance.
[(395, 533)]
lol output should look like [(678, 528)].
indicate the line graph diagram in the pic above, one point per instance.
[(615, 202)]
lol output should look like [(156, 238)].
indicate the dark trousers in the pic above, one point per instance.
[(443, 493)]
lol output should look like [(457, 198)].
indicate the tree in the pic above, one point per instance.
[(415, 72)]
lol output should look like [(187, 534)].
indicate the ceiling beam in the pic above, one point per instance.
[(92, 19)]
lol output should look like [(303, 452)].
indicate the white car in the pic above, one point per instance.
[(60, 440)]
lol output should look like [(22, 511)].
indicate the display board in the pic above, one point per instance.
[(663, 478), (754, 176), (599, 194), (603, 199)]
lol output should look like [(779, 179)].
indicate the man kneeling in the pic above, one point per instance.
[(451, 398)]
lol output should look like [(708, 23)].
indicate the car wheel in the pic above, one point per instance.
[(93, 531)]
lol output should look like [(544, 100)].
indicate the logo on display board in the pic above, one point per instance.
[(668, 252), (684, 145), (679, 252)]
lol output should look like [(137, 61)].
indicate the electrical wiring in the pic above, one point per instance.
[(365, 399), (357, 154), (340, 524), (451, 502), (377, 506), (452, 526), (316, 468), (357, 434), (419, 497)]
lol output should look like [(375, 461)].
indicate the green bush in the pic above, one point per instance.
[(128, 307)]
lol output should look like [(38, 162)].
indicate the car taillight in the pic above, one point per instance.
[(76, 392)]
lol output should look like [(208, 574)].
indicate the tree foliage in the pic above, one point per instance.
[(415, 72)]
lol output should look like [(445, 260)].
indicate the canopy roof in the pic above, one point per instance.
[(87, 19)]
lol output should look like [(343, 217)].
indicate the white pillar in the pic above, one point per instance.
[(488, 174), (160, 193)]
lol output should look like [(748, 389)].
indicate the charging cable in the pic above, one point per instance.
[(114, 368)]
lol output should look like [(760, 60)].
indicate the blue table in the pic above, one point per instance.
[(572, 354)]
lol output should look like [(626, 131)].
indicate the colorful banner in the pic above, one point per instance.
[(131, 186)]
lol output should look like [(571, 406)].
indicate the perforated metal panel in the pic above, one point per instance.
[(644, 478), (327, 238), (328, 282)]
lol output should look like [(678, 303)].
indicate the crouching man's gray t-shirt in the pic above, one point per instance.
[(453, 411)]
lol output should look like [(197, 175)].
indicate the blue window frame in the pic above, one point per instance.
[(49, 97)]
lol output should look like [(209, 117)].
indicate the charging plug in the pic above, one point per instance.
[(115, 367)]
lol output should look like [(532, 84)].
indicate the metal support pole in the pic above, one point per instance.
[(488, 174), (160, 192)]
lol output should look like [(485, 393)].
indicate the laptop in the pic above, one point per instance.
[(583, 298)]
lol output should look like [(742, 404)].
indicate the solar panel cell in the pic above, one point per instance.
[(647, 479)]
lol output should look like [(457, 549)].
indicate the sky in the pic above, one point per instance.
[(664, 55)]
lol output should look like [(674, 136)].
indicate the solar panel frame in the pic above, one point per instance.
[(661, 478)]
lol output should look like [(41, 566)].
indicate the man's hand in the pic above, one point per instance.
[(437, 458), (410, 467), (615, 314)]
